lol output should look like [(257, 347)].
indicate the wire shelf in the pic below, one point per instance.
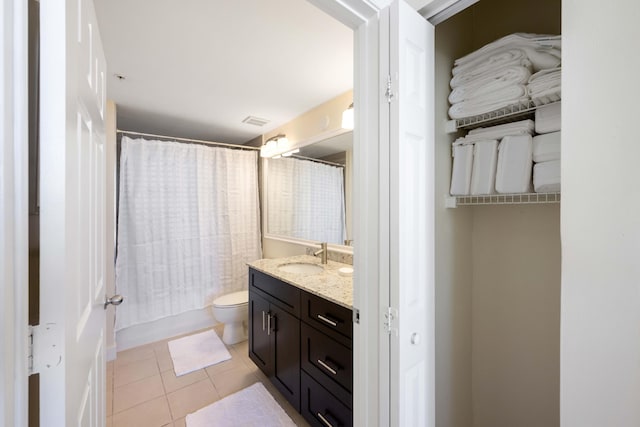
[(505, 199), (508, 114), (503, 115)]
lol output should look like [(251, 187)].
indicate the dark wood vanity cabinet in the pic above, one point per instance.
[(303, 343), (327, 362), (274, 333)]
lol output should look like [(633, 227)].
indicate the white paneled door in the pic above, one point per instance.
[(69, 351), (411, 221)]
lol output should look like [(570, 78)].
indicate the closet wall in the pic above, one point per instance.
[(497, 267)]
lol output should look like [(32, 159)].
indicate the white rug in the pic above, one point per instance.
[(197, 351), (250, 407)]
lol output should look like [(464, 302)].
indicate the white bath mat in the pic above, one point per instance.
[(197, 351), (250, 407)]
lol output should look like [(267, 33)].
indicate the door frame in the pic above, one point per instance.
[(14, 249), (370, 257), (370, 386)]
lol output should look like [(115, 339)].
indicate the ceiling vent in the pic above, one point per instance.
[(256, 121)]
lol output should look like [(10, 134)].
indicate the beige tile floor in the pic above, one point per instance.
[(143, 391)]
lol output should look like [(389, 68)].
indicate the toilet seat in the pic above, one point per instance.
[(232, 300)]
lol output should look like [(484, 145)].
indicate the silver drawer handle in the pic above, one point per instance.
[(269, 324), (263, 320), (327, 367), (324, 420), (329, 321)]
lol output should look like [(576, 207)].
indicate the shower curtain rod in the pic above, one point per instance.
[(222, 144), (317, 160)]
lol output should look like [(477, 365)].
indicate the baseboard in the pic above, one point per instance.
[(162, 329)]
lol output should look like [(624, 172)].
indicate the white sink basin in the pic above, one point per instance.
[(301, 268)]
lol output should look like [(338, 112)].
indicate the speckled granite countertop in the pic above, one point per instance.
[(328, 285)]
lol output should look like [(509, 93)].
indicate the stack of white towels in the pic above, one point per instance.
[(546, 149), (501, 159), (496, 75), (493, 159)]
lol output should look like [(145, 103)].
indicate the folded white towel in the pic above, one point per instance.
[(542, 50), (540, 58), (548, 118), (545, 83), (483, 175), (513, 173), (546, 147), (499, 131), (509, 80), (488, 68), (523, 127), (545, 78), (546, 177), (461, 170), (486, 105)]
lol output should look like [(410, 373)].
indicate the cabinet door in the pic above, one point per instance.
[(285, 336), (259, 339)]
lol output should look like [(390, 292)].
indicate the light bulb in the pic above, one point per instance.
[(347, 118)]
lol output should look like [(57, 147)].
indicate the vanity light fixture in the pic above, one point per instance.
[(347, 118), (274, 145)]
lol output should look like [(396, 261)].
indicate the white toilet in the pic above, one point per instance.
[(232, 310)]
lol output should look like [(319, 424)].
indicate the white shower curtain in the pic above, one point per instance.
[(188, 222), (305, 199)]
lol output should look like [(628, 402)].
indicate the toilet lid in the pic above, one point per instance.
[(235, 298)]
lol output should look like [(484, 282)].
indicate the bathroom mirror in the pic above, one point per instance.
[(308, 195)]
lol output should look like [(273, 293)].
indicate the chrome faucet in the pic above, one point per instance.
[(322, 252)]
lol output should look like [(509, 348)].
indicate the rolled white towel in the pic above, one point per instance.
[(495, 63), (490, 87)]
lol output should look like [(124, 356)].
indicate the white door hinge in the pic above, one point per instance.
[(45, 351), (390, 321), (389, 92)]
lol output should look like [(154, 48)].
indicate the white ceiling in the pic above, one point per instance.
[(197, 68)]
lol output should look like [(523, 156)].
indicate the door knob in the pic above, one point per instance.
[(114, 300)]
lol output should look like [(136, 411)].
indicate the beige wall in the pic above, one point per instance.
[(324, 118), (493, 19), (516, 316), (453, 249)]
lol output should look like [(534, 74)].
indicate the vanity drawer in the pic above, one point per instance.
[(327, 316), (287, 295), (321, 408), (328, 361)]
